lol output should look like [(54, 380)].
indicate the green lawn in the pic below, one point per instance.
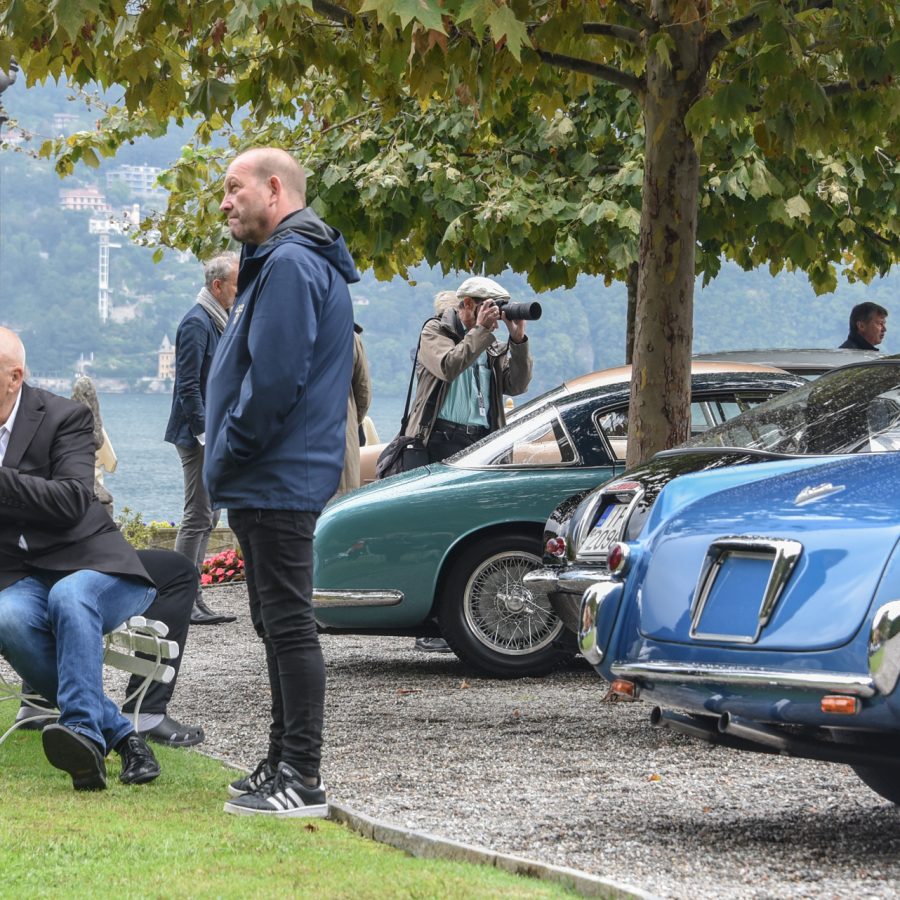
[(171, 839)]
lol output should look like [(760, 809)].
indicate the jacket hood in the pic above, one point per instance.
[(306, 228)]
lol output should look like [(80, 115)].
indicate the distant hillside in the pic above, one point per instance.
[(49, 272)]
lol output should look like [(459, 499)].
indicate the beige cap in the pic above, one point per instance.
[(482, 288)]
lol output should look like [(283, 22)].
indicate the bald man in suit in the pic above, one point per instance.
[(67, 576)]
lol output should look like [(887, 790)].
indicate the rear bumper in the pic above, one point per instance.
[(660, 671), (563, 588)]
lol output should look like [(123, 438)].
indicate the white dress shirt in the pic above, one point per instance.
[(7, 427)]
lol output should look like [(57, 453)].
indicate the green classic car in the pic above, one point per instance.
[(443, 549)]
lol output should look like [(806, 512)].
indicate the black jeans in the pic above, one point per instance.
[(176, 578), (278, 561)]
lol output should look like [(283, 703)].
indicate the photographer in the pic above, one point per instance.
[(463, 372)]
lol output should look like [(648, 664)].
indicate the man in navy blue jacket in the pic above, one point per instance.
[(195, 343), (275, 418)]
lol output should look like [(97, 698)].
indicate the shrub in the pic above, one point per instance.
[(222, 568), (137, 532)]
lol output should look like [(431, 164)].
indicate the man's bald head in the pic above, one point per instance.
[(12, 371), (267, 161), (262, 187)]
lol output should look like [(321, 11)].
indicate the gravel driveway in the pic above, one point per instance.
[(540, 768)]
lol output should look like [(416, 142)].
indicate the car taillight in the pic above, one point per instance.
[(556, 547), (617, 558)]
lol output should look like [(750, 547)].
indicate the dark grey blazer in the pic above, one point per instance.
[(195, 344), (47, 496)]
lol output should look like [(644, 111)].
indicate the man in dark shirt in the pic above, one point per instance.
[(867, 327)]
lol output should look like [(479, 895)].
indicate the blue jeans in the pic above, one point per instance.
[(51, 633), (278, 559)]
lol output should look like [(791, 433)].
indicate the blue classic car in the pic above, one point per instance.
[(444, 549), (762, 603)]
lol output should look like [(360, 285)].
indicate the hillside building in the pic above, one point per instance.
[(166, 359), (82, 198)]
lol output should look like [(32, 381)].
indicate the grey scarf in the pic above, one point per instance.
[(213, 309)]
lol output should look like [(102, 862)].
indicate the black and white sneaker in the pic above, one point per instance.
[(284, 796), (254, 781)]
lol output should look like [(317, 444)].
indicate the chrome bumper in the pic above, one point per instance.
[(884, 647), (599, 608), (335, 597), (686, 673), (563, 587)]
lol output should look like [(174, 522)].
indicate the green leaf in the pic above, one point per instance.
[(797, 207), (70, 15), (504, 24), (428, 12), (663, 45)]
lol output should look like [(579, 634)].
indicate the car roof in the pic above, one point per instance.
[(623, 373), (801, 361)]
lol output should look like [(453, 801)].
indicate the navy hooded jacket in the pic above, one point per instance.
[(276, 396)]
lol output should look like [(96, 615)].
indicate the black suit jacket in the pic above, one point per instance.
[(47, 496)]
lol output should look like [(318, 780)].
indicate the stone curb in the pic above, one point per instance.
[(430, 846)]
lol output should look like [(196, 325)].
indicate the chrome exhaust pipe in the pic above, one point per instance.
[(691, 725), (753, 731)]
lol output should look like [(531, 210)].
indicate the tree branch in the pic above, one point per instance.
[(615, 31), (717, 41), (334, 12), (839, 88), (596, 70), (631, 9)]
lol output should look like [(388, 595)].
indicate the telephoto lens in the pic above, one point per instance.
[(520, 311)]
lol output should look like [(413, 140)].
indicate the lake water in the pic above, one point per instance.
[(148, 477)]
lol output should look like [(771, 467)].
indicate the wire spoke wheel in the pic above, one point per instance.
[(500, 610)]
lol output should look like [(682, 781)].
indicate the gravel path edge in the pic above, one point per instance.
[(429, 846)]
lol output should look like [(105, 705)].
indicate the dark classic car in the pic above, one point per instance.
[(827, 416), (762, 603), (806, 361), (443, 549)]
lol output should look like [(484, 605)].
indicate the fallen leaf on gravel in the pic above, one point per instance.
[(516, 713), (409, 691), (654, 777), (464, 685)]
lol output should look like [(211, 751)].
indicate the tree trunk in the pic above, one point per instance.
[(631, 282), (660, 411)]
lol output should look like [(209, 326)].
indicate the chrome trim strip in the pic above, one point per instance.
[(784, 554), (826, 682), (325, 597), (884, 647)]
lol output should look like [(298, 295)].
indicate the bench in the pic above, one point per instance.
[(137, 635)]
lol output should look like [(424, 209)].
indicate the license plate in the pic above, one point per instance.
[(606, 531)]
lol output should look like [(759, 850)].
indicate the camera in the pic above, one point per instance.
[(515, 312)]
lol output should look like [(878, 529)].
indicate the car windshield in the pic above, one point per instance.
[(855, 409), (538, 440)]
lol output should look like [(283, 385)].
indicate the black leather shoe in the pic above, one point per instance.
[(201, 614), (33, 718), (432, 645), (76, 754), (139, 765), (172, 733)]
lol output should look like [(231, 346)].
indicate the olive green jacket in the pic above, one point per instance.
[(445, 351)]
